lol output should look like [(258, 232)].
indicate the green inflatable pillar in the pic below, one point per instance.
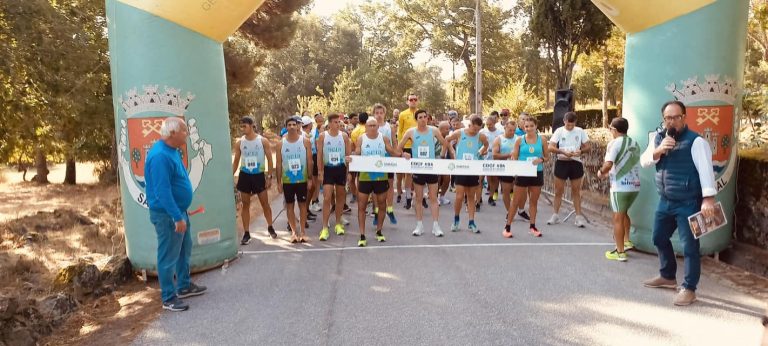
[(697, 57)]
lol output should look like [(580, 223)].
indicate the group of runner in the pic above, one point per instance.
[(315, 152)]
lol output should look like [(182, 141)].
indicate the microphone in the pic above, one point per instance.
[(672, 132)]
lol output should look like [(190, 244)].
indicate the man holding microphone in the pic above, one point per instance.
[(685, 182)]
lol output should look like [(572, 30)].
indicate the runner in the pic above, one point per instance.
[(424, 138), (502, 150), (406, 121), (398, 176), (333, 147), (519, 132), (491, 132), (292, 167), (309, 133), (378, 113), (314, 135), (621, 165), (471, 145), (251, 150), (569, 142), (372, 143), (444, 181), (355, 133), (529, 148)]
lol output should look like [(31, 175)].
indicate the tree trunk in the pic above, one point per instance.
[(41, 167), (605, 90), (70, 175), (470, 75)]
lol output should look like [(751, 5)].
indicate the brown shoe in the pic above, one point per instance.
[(685, 297), (660, 282)]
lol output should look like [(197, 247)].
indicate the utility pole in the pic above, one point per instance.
[(479, 67)]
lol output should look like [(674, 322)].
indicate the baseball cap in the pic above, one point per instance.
[(306, 120)]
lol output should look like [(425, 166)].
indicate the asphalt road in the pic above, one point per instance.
[(462, 289)]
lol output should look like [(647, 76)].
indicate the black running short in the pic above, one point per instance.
[(507, 179), (424, 179), (538, 180), (335, 175), (467, 180), (251, 183), (295, 192), (569, 169), (378, 187), (314, 165)]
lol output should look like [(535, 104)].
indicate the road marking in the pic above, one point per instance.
[(428, 246)]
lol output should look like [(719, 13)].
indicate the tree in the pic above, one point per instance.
[(450, 33), (602, 72), (518, 97), (565, 29)]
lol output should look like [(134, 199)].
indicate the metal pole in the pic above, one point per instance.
[(479, 67)]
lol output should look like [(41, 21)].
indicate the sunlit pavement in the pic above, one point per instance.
[(462, 289)]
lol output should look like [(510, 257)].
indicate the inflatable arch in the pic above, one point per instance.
[(692, 51), (167, 60)]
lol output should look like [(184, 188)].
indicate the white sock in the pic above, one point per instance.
[(520, 211), (408, 194), (419, 224)]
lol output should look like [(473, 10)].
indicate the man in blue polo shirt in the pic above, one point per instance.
[(169, 194)]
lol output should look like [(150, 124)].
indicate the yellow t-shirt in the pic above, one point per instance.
[(404, 122), (359, 130)]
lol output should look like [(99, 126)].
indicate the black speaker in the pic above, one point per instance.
[(563, 104)]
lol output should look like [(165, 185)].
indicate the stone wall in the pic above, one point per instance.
[(751, 219)]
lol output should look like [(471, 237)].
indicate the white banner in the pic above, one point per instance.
[(442, 167)]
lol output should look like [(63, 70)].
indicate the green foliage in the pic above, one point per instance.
[(565, 29), (517, 97)]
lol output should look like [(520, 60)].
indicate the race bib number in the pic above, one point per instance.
[(468, 156), (423, 153), (294, 165), (251, 163), (334, 158)]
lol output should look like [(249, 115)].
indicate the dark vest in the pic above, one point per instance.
[(676, 176)]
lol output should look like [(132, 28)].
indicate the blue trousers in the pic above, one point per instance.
[(173, 252), (672, 215)]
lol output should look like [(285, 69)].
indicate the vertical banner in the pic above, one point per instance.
[(159, 70), (697, 58)]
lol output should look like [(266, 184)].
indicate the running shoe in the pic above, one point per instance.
[(616, 255), (506, 233), (347, 209), (491, 202), (304, 239), (524, 215), (362, 243), (311, 217), (380, 237), (452, 188), (191, 291), (554, 219), (580, 222), (392, 218), (628, 245), (444, 201), (455, 227), (175, 304), (324, 234), (424, 203), (246, 238), (294, 239), (399, 198), (473, 228), (271, 231), (315, 207), (436, 230), (407, 203), (419, 230), (339, 230), (535, 232), (344, 220)]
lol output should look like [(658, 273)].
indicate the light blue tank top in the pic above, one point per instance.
[(507, 145), (423, 144), (294, 161), (468, 146), (333, 150), (373, 147), (252, 155), (529, 152)]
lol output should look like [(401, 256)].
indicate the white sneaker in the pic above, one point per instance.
[(444, 201), (344, 220), (554, 219), (315, 207), (580, 221), (419, 229), (436, 230)]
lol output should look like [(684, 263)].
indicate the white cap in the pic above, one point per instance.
[(306, 120)]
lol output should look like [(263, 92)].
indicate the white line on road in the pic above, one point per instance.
[(350, 248)]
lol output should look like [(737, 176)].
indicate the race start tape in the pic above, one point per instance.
[(442, 167)]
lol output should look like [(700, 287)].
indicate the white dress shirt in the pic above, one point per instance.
[(702, 159)]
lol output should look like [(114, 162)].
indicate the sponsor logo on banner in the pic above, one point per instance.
[(141, 118), (710, 113)]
